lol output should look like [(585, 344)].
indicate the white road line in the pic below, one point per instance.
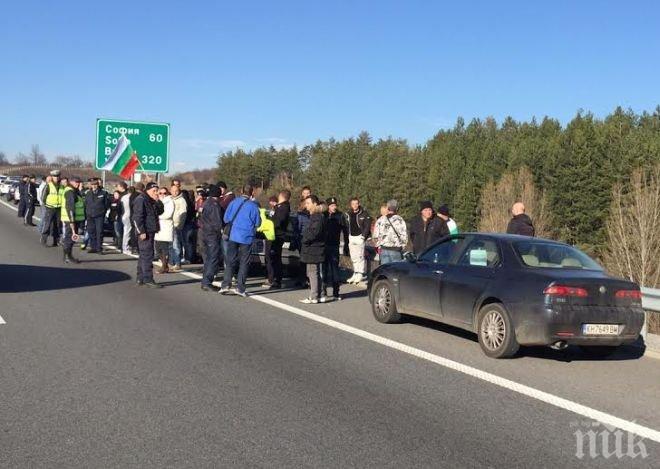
[(2, 321), (565, 404)]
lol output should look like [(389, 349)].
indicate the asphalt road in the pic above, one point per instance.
[(97, 372)]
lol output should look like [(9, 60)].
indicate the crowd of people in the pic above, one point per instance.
[(218, 227)]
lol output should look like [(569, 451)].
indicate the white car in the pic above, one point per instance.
[(7, 183)]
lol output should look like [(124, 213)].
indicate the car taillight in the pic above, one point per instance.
[(629, 294), (563, 290)]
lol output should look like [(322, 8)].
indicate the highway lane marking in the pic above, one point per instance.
[(542, 396), (2, 321)]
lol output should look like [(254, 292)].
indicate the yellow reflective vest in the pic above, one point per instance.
[(267, 226), (53, 199), (78, 208)]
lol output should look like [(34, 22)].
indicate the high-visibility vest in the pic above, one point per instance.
[(78, 208), (267, 226), (53, 199)]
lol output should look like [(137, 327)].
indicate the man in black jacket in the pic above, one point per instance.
[(22, 189), (146, 209), (97, 203), (280, 219), (426, 228), (520, 224), (336, 228), (31, 200), (211, 230)]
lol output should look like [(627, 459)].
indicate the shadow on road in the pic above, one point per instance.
[(105, 258), (32, 278), (572, 353)]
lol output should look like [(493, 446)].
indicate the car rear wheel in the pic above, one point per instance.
[(596, 351), (383, 304), (495, 331)]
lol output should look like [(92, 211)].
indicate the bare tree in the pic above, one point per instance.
[(62, 160), (22, 159), (633, 229), (36, 157), (497, 198), (3, 159)]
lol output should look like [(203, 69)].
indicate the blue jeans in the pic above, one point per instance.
[(213, 249), (177, 247), (42, 214), (390, 255), (238, 258), (119, 232)]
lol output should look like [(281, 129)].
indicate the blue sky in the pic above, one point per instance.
[(228, 74)]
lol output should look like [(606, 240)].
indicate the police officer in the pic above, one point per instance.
[(23, 195), (144, 217), (31, 201), (211, 223), (53, 204), (97, 203), (72, 215)]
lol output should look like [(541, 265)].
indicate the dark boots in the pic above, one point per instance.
[(68, 257), (164, 267)]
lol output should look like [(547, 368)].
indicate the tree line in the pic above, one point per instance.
[(570, 169), (36, 158)]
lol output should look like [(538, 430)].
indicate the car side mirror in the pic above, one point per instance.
[(410, 256)]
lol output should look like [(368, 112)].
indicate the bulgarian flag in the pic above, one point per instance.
[(124, 160)]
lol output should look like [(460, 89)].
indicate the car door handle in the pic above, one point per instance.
[(438, 272)]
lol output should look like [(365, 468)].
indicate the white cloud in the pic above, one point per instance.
[(180, 164)]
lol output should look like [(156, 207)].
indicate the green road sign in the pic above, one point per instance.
[(149, 140)]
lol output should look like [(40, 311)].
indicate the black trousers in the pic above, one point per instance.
[(213, 258), (29, 212), (67, 241), (22, 208), (273, 258), (331, 276), (145, 266), (95, 232), (52, 223)]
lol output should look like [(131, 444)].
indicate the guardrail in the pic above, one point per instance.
[(651, 299)]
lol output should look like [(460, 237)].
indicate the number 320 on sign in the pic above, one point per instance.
[(151, 159)]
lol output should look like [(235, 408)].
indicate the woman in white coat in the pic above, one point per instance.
[(165, 236)]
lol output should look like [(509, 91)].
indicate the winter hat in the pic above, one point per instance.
[(150, 185), (425, 204), (444, 210), (332, 200)]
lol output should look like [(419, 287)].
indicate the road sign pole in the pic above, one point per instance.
[(103, 177)]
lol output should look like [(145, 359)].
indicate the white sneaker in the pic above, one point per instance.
[(351, 278), (324, 299), (309, 301), (236, 291), (358, 278), (223, 290)]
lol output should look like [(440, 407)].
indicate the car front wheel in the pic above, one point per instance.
[(495, 330), (383, 304)]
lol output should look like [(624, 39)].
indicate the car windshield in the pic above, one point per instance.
[(553, 256)]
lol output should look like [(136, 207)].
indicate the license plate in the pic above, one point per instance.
[(600, 329)]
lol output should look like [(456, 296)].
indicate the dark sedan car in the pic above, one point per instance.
[(511, 290)]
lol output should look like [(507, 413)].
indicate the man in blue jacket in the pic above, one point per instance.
[(241, 219)]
